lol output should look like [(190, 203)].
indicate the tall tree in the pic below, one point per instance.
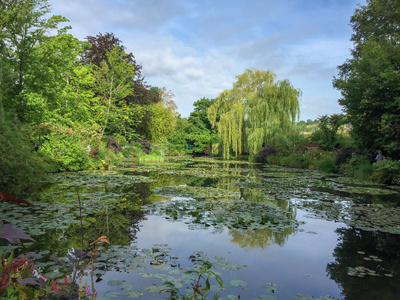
[(113, 83), (370, 80), (22, 26), (103, 43), (254, 112), (53, 76), (200, 132)]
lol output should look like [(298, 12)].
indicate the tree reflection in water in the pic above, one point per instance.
[(373, 250)]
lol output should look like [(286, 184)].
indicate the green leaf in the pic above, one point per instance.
[(238, 283)]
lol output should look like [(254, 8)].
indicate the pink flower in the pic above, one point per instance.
[(87, 291)]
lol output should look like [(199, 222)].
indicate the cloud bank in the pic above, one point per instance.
[(196, 48)]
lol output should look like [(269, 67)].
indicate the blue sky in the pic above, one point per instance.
[(196, 48)]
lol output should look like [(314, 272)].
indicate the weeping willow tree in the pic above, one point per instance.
[(254, 112)]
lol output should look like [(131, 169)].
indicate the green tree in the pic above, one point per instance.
[(57, 88), (162, 122), (327, 131), (113, 83), (254, 112), (22, 26), (200, 132), (370, 80)]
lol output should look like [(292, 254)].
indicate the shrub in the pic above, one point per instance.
[(262, 156), (157, 150), (113, 145), (295, 161), (109, 158), (354, 164), (326, 164), (274, 159), (343, 155), (144, 144), (69, 148), (21, 169), (364, 171), (386, 171)]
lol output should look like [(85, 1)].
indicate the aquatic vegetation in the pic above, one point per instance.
[(230, 213), (255, 206)]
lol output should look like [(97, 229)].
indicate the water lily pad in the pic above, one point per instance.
[(114, 282), (153, 289), (133, 294), (113, 294), (215, 288), (238, 283), (125, 287), (271, 288), (266, 297)]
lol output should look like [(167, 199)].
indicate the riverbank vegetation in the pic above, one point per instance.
[(63, 99), (68, 105)]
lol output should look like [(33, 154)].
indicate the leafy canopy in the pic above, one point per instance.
[(370, 80), (254, 112)]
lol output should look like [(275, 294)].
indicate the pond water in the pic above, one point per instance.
[(269, 232)]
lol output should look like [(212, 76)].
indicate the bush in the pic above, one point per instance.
[(386, 171), (113, 145), (274, 159), (326, 164), (343, 155), (109, 158), (355, 164), (144, 144), (157, 150), (262, 156), (294, 161), (21, 169), (69, 148), (364, 171)]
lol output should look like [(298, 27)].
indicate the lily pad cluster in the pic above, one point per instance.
[(369, 217), (157, 263), (112, 178), (230, 213), (194, 192)]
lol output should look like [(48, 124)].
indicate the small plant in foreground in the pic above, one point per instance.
[(202, 271)]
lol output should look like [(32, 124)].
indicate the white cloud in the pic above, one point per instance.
[(196, 48)]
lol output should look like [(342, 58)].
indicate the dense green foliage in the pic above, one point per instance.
[(256, 111), (370, 80), (62, 100), (69, 96)]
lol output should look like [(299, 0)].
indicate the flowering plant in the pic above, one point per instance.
[(68, 147)]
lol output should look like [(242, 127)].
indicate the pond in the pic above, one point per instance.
[(267, 232)]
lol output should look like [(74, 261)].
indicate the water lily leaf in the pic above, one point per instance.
[(271, 288), (114, 282), (153, 289), (238, 283), (232, 297), (146, 275), (113, 294), (133, 294), (125, 287), (216, 288), (266, 297)]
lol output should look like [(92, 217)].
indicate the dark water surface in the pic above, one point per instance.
[(337, 239)]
